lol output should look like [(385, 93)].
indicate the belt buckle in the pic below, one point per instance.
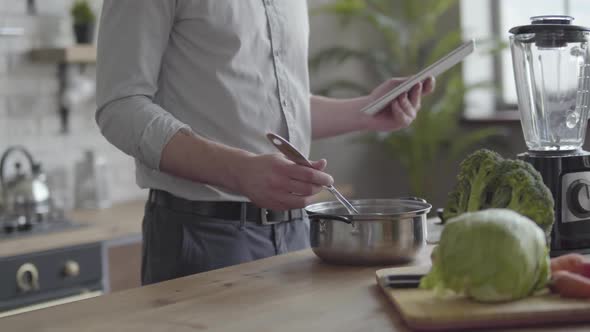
[(264, 218)]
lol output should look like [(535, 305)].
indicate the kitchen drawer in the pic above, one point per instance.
[(49, 275)]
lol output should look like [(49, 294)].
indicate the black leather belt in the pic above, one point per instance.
[(223, 210)]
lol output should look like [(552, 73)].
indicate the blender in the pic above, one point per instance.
[(551, 61)]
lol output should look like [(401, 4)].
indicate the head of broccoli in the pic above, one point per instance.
[(486, 180), (476, 172)]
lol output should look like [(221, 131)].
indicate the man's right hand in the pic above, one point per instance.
[(272, 181)]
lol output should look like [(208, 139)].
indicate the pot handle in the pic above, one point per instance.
[(330, 216)]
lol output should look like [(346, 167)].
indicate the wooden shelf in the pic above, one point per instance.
[(73, 54), (63, 57)]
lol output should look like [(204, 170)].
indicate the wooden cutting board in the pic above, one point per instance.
[(422, 311)]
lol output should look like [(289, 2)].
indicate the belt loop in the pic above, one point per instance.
[(243, 214)]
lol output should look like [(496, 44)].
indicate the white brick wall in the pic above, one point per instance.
[(28, 100)]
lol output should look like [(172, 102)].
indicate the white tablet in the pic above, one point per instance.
[(435, 69)]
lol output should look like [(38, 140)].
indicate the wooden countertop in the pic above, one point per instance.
[(283, 293), (294, 292), (120, 221)]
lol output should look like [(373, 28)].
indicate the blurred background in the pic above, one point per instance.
[(47, 89)]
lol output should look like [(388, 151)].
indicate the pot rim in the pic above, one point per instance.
[(423, 207)]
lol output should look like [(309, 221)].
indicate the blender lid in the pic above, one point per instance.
[(549, 23)]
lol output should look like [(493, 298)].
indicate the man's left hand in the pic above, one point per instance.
[(402, 111)]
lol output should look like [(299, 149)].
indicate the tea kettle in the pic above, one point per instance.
[(24, 194)]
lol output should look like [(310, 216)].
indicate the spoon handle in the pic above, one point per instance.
[(294, 155), (349, 207), (288, 150)]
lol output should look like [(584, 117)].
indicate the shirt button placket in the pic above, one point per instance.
[(276, 54)]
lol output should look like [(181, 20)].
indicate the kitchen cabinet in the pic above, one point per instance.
[(124, 263), (119, 229), (107, 241), (42, 279)]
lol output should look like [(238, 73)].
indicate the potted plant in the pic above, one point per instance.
[(410, 39), (83, 21)]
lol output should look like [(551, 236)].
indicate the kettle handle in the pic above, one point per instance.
[(5, 157)]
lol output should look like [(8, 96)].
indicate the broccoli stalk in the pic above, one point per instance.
[(485, 164)]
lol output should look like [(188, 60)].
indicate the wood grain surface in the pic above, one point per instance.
[(73, 54), (422, 310), (294, 292)]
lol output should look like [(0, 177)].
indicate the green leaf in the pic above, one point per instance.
[(338, 55), (82, 12), (341, 7), (410, 38)]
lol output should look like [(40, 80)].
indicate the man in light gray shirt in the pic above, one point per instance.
[(189, 88)]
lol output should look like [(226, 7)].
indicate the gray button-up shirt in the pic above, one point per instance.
[(230, 70)]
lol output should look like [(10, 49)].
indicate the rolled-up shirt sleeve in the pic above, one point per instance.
[(132, 40)]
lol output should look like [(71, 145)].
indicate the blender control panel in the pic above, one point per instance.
[(575, 197)]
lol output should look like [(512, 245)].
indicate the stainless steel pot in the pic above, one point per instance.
[(387, 231)]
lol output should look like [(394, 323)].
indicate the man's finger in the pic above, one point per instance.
[(407, 106), (403, 119), (415, 94), (309, 175), (302, 188), (428, 85), (291, 201), (320, 164)]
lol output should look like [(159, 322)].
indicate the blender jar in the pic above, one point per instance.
[(551, 61)]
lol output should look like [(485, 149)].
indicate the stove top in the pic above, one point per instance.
[(19, 226)]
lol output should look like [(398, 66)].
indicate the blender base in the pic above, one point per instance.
[(567, 175)]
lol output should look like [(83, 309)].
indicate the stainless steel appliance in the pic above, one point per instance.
[(26, 206), (386, 231), (551, 61)]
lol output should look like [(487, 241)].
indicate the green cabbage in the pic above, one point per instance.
[(490, 256)]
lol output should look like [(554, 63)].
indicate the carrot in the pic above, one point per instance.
[(574, 263), (568, 284)]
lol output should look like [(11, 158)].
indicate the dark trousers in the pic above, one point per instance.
[(177, 244)]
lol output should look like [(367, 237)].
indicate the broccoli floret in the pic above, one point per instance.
[(486, 180), (497, 195), (522, 192), (476, 173)]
